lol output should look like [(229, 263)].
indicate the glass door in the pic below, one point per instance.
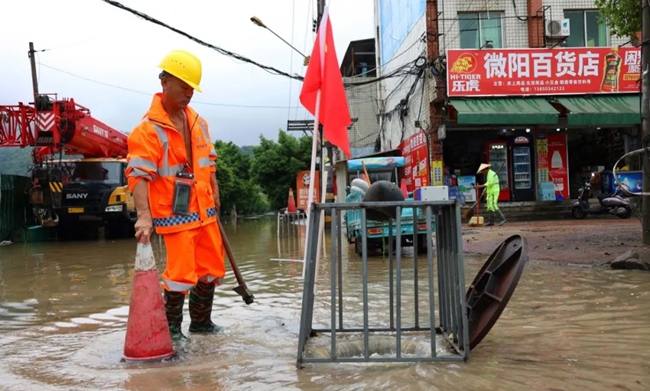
[(522, 170), (499, 162)]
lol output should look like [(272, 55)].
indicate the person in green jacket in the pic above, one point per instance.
[(492, 190)]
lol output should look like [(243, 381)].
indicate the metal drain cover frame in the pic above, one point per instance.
[(489, 293)]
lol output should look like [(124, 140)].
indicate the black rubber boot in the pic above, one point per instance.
[(490, 219), (201, 297), (174, 311), (502, 217)]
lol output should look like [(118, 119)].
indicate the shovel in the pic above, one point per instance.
[(241, 289)]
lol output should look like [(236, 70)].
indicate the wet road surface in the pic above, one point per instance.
[(64, 306)]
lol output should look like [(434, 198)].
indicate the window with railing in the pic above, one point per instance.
[(480, 30), (587, 29)]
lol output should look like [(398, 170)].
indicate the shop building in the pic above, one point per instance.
[(536, 87), (544, 118)]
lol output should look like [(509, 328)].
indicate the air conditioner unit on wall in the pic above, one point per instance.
[(558, 28)]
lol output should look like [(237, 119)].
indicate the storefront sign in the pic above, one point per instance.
[(559, 71), (416, 169), (521, 140), (302, 189), (558, 163)]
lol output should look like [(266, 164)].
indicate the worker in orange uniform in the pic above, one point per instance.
[(172, 175)]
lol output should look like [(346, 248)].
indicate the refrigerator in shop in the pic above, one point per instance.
[(496, 154), (522, 173)]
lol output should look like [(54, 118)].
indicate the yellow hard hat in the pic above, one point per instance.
[(185, 66)]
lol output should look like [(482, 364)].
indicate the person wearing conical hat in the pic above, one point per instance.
[(492, 190)]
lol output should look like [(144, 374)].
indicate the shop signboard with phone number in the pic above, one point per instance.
[(557, 71)]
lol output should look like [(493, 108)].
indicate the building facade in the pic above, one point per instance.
[(537, 88), (359, 71)]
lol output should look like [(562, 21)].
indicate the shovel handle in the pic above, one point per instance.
[(231, 258)]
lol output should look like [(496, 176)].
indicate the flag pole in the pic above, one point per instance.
[(312, 175)]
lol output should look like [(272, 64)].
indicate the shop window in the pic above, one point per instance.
[(481, 29), (587, 29)]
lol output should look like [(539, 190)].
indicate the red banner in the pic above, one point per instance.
[(558, 71), (416, 169), (302, 189)]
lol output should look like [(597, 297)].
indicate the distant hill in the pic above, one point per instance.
[(16, 161), (247, 150)]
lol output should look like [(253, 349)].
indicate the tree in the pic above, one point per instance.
[(236, 187), (623, 17), (275, 165)]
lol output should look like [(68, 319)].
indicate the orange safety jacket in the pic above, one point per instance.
[(157, 152)]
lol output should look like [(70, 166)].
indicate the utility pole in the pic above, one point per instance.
[(433, 37), (320, 7), (645, 117), (32, 60)]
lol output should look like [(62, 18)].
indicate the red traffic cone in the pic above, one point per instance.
[(403, 188), (147, 333), (291, 205)]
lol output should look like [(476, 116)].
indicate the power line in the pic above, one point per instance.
[(149, 94), (201, 42), (227, 52), (293, 25)]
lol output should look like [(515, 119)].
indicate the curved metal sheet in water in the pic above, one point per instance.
[(489, 293)]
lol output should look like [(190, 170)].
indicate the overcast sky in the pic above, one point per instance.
[(118, 51)]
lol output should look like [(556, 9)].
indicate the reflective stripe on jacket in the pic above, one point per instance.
[(157, 152), (492, 183)]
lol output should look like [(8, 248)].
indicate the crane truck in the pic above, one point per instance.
[(86, 187)]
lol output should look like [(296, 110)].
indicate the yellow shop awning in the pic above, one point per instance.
[(504, 111), (603, 110)]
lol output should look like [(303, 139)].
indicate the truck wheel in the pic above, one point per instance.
[(357, 247), (627, 214), (119, 229), (578, 213), (422, 244)]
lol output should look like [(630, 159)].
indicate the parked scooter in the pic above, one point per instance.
[(616, 203)]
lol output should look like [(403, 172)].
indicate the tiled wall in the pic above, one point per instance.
[(364, 106), (559, 6), (515, 31)]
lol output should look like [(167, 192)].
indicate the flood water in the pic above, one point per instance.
[(64, 306)]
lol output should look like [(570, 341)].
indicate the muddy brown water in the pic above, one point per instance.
[(64, 306)]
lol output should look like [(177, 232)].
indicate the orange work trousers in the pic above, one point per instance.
[(193, 255)]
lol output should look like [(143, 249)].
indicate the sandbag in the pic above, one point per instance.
[(360, 183)]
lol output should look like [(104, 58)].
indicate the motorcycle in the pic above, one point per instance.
[(615, 203)]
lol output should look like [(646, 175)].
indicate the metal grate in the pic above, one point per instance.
[(440, 317)]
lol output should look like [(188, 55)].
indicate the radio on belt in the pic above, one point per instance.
[(432, 193)]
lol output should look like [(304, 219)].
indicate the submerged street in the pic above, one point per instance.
[(64, 307)]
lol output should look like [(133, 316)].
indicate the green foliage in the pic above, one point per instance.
[(623, 17), (16, 161), (236, 187), (276, 164)]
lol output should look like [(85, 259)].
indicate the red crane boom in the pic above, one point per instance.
[(59, 126)]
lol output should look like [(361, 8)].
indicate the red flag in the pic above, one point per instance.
[(323, 75)]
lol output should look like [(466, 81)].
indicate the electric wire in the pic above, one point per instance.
[(193, 101), (149, 94), (228, 53), (222, 51), (293, 26)]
